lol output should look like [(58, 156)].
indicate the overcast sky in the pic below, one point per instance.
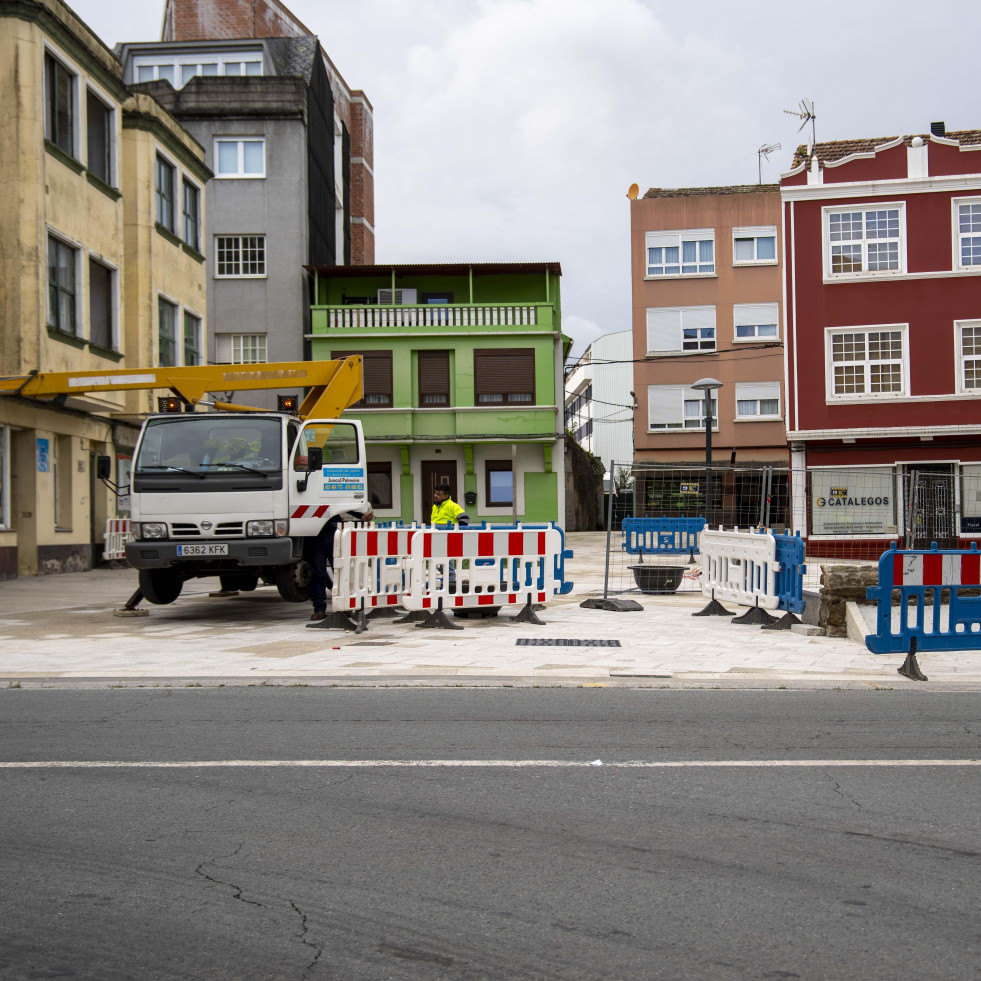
[(511, 129)]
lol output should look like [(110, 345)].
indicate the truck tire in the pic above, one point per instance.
[(293, 581), (160, 586), (241, 581)]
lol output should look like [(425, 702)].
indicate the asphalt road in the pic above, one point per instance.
[(519, 860)]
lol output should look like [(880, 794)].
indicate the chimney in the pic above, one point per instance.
[(938, 129)]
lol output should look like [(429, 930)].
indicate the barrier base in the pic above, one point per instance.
[(438, 620), (613, 605), (755, 615), (339, 620), (714, 609), (528, 615), (784, 623), (910, 669)]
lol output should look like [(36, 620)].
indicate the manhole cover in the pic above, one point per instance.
[(564, 642)]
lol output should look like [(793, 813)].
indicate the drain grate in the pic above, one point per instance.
[(564, 642)]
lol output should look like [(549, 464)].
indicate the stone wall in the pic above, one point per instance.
[(841, 584)]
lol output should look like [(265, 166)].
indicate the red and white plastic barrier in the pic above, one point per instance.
[(504, 568), (371, 566), (939, 569), (740, 566), (118, 533)]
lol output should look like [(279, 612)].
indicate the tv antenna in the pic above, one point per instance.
[(765, 151), (805, 113)]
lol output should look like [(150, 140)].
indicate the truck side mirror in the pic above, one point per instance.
[(103, 467), (315, 459)]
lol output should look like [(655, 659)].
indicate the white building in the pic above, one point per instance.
[(598, 400)]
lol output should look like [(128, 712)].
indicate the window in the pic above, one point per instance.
[(380, 486), (240, 255), (186, 68), (59, 105), (190, 214), (756, 321), (498, 484), (377, 374), (166, 176), (62, 279), (862, 241), (240, 348), (166, 333), (434, 378), (156, 72), (968, 217), (102, 296), (504, 376), (866, 362), (969, 348), (192, 339), (61, 473), (240, 158), (672, 329), (687, 253), (758, 400), (677, 407), (754, 246), (100, 131)]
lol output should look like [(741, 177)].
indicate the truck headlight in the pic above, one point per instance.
[(259, 529), (152, 529)]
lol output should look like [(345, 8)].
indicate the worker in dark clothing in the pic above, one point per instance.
[(322, 559)]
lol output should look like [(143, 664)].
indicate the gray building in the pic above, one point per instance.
[(263, 110)]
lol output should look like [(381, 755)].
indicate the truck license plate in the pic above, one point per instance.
[(185, 550)]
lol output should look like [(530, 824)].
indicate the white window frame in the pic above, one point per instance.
[(229, 348), (240, 173), (682, 395), (239, 238), (179, 63), (70, 67), (156, 63), (113, 178), (863, 241), (114, 339), (677, 238), (4, 476), (758, 392), (865, 395), (80, 283), (755, 315), (666, 326), (962, 359), (959, 236), (755, 232)]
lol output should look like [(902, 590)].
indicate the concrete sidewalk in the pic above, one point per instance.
[(60, 629)]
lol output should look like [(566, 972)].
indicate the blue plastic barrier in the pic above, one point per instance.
[(790, 578), (661, 536), (917, 574)]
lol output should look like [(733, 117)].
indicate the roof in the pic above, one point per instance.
[(839, 149), (293, 55), (438, 269), (688, 192)]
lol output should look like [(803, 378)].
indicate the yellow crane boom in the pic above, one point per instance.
[(333, 385)]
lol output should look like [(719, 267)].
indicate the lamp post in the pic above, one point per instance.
[(707, 386)]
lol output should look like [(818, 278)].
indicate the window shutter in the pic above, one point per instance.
[(663, 329), (700, 317), (223, 348), (757, 390), (434, 377), (666, 406), (504, 372), (754, 314), (662, 240), (377, 374)]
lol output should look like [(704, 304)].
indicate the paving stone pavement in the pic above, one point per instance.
[(59, 630)]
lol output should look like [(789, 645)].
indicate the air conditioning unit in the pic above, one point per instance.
[(402, 297)]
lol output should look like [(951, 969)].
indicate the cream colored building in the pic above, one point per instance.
[(88, 273)]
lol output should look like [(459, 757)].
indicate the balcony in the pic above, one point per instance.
[(443, 316)]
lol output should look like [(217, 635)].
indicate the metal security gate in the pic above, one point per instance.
[(928, 492)]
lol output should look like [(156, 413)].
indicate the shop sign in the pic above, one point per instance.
[(853, 502)]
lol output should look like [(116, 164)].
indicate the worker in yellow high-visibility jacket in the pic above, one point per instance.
[(447, 512)]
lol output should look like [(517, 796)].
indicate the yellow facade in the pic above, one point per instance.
[(78, 291)]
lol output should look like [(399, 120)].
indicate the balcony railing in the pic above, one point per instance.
[(434, 315)]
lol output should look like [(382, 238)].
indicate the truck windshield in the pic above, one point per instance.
[(210, 444)]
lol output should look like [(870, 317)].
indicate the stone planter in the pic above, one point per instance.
[(658, 578)]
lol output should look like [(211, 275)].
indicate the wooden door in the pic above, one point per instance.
[(435, 472)]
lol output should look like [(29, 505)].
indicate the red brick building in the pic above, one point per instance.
[(882, 249)]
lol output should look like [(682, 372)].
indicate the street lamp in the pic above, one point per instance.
[(707, 386)]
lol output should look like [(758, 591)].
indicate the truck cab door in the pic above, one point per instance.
[(340, 485)]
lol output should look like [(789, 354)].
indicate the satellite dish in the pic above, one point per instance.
[(633, 191)]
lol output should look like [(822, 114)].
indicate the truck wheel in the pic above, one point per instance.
[(293, 581), (160, 586), (242, 581)]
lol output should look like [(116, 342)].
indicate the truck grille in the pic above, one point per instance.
[(225, 529)]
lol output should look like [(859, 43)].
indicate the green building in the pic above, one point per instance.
[(462, 382)]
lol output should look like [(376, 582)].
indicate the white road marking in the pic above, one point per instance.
[(476, 764)]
